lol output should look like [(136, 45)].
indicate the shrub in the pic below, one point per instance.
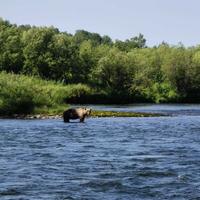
[(22, 94)]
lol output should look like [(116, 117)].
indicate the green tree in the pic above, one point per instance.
[(175, 64), (147, 72), (114, 73), (36, 43), (193, 72), (106, 40), (11, 57), (62, 58), (86, 63), (82, 35), (135, 42)]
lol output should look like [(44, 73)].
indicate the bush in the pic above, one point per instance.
[(21, 94), (161, 93)]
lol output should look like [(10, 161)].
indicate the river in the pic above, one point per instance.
[(104, 158)]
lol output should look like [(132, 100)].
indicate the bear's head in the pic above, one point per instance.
[(88, 111)]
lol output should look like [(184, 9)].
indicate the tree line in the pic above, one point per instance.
[(126, 70)]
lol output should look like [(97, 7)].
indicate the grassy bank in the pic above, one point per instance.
[(100, 113), (21, 94), (56, 114)]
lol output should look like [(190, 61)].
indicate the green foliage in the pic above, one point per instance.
[(114, 73), (48, 53), (175, 65), (101, 113), (120, 71), (133, 43), (11, 56), (23, 94), (194, 72), (82, 35), (160, 93)]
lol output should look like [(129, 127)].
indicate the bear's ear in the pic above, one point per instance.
[(89, 110)]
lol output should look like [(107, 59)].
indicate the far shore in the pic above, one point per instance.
[(95, 113)]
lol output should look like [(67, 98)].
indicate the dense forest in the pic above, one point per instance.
[(115, 71)]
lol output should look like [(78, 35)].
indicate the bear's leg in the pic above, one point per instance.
[(66, 119), (82, 119)]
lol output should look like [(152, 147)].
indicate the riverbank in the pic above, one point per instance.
[(95, 113), (102, 113)]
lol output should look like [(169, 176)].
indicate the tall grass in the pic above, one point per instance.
[(21, 94)]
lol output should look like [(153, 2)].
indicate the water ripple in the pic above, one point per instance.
[(104, 158)]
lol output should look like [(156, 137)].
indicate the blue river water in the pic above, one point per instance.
[(103, 158)]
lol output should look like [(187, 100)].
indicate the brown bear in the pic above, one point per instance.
[(76, 113)]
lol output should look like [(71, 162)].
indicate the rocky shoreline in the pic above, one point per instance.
[(95, 113), (38, 116)]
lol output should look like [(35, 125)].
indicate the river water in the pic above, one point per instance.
[(103, 158)]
